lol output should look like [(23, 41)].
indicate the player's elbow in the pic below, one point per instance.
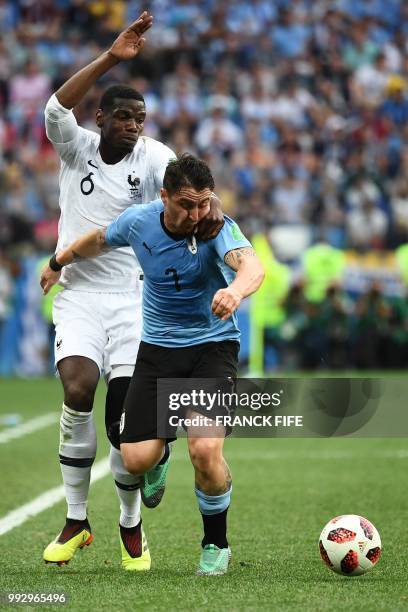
[(55, 110), (51, 111), (261, 275), (258, 274)]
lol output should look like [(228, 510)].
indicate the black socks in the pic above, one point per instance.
[(215, 529)]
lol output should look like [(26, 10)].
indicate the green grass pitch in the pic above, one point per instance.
[(284, 493)]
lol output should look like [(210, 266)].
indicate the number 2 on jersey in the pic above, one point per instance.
[(173, 271)]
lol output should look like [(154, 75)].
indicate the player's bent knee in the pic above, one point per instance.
[(79, 377), (135, 464), (79, 396), (140, 457), (205, 453)]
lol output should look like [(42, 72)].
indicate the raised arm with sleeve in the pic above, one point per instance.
[(60, 122)]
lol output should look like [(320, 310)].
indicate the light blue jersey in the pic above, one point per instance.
[(180, 277)]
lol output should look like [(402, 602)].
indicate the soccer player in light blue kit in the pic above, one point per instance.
[(191, 292)]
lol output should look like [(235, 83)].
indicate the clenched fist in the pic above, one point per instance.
[(225, 302)]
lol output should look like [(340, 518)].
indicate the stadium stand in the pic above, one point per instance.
[(299, 106)]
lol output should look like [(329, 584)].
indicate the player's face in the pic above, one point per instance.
[(122, 125), (186, 208)]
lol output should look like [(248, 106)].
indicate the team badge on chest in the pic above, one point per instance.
[(192, 245), (134, 183)]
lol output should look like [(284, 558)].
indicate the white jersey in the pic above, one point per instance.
[(93, 193)]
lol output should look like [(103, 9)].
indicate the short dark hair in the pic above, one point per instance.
[(118, 91), (187, 171)]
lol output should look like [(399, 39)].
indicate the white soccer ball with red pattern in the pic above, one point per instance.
[(350, 545)]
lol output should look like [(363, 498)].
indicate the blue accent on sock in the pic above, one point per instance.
[(213, 504)]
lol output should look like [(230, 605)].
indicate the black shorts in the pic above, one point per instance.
[(212, 360)]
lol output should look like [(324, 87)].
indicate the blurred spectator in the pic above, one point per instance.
[(339, 310), (367, 226), (395, 106), (290, 201), (314, 338), (399, 203), (370, 81), (218, 134), (360, 49), (183, 107), (291, 331), (29, 90), (6, 289), (374, 314), (291, 32)]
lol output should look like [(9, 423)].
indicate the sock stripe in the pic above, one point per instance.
[(72, 412), (127, 487), (77, 462), (213, 504)]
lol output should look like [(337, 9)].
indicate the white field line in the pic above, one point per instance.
[(46, 500), (28, 427)]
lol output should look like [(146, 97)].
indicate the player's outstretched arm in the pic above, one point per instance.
[(127, 45), (250, 275), (89, 245)]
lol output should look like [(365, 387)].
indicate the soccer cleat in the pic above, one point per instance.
[(154, 484), (135, 552), (214, 561), (76, 534)]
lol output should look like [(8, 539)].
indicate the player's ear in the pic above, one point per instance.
[(163, 195), (99, 117)]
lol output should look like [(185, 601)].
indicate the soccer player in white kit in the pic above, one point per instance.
[(98, 314)]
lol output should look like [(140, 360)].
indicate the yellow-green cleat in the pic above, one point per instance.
[(135, 551), (75, 535)]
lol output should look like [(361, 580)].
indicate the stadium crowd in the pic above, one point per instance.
[(299, 106), (340, 333)]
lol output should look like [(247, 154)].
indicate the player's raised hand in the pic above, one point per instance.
[(131, 41), (49, 278), (225, 302), (211, 225)]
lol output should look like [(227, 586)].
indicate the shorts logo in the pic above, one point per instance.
[(59, 343), (122, 423)]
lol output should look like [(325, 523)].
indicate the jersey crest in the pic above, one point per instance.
[(192, 245), (134, 183)]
